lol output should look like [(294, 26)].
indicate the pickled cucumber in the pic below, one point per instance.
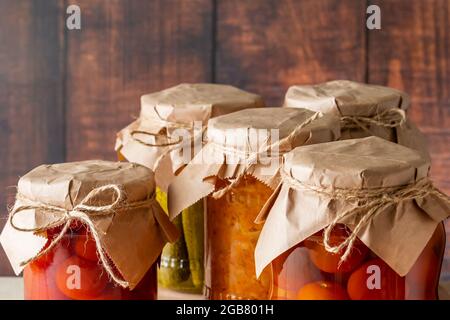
[(174, 261), (182, 261), (192, 219)]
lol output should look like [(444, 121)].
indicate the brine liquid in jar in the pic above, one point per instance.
[(309, 272), (71, 270), (181, 267), (231, 237)]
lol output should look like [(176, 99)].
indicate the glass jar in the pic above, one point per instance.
[(71, 270), (181, 267), (165, 137), (231, 237), (308, 272)]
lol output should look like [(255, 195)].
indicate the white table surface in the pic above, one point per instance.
[(11, 288)]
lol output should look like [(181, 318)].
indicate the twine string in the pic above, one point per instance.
[(81, 212), (389, 118), (281, 145), (167, 124), (368, 204), (172, 145), (134, 134)]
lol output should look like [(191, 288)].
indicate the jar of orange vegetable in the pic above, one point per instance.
[(235, 174), (88, 230), (167, 134), (355, 219)]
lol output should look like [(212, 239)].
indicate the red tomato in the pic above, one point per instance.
[(85, 247), (58, 253), (293, 269), (322, 290), (331, 262), (35, 285), (81, 279), (45, 260), (39, 285), (39, 274), (375, 280)]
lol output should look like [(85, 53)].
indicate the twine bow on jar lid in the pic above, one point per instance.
[(389, 118), (367, 204), (378, 189), (274, 150), (116, 203), (83, 212)]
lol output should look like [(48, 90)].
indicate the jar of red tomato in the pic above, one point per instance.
[(355, 219), (87, 230)]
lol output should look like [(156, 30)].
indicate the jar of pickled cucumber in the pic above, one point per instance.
[(72, 227), (355, 219), (235, 182), (167, 134)]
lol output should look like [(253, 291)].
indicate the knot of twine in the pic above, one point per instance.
[(389, 118), (81, 212), (368, 203), (282, 146)]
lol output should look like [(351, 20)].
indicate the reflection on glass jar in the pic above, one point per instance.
[(71, 270), (231, 237), (308, 272)]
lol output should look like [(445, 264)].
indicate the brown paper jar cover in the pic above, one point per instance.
[(173, 108), (397, 233), (131, 238), (245, 131), (349, 98)]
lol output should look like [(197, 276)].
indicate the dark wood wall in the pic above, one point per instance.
[(64, 94)]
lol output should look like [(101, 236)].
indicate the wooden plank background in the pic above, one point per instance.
[(32, 124), (64, 94)]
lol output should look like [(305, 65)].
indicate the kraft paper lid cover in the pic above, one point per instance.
[(244, 143), (175, 108), (353, 99), (132, 238), (397, 233), (346, 98), (196, 102)]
